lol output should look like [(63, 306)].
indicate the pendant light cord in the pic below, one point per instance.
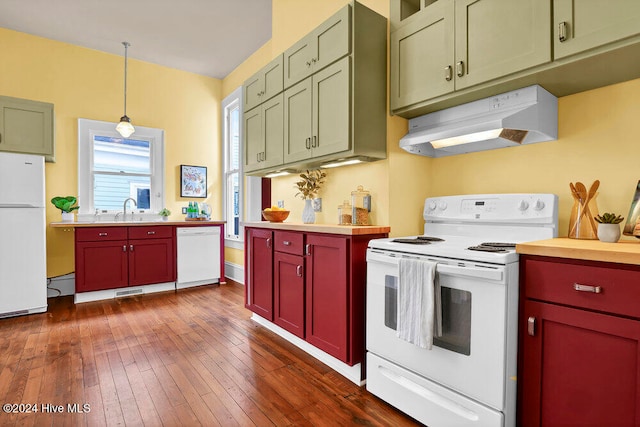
[(126, 46)]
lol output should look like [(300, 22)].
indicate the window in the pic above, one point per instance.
[(232, 168), (112, 169)]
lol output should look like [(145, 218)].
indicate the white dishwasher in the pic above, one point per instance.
[(198, 256)]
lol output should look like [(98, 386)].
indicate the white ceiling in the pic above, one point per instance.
[(208, 37)]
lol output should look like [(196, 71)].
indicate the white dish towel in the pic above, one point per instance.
[(417, 295)]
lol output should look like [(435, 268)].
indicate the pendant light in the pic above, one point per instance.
[(125, 128)]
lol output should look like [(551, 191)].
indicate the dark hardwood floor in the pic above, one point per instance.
[(191, 357)]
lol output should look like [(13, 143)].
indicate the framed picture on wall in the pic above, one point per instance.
[(193, 181)]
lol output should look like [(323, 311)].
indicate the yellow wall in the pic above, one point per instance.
[(597, 140), (84, 83)]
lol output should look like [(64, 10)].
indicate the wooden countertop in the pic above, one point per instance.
[(624, 251), (349, 230), (84, 224)]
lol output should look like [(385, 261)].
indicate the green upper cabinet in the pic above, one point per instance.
[(323, 46), (26, 127), (317, 114), (450, 45), (263, 135), (421, 57), (582, 25), (334, 108), (494, 38), (263, 85)]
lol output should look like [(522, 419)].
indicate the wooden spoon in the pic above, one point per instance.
[(592, 192)]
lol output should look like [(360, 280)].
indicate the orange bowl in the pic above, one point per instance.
[(275, 216)]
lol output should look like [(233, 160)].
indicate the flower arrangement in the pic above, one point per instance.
[(609, 218), (310, 183)]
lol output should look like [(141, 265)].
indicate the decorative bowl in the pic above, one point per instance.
[(275, 216)]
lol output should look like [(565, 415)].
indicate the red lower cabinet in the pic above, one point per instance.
[(579, 348), (327, 294), (288, 286), (259, 272), (101, 265), (315, 283), (118, 257)]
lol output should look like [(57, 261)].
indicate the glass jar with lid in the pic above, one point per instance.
[(344, 213), (360, 206)]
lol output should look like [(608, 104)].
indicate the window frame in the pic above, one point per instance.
[(87, 129), (229, 103)]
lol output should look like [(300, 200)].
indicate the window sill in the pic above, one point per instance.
[(234, 244)]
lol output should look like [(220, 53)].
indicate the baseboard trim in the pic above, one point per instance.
[(234, 272)]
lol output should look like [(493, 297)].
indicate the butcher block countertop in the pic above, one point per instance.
[(623, 252), (84, 224), (349, 230)]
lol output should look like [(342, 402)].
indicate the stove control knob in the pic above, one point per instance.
[(442, 206), (539, 205), (523, 206), (432, 205)]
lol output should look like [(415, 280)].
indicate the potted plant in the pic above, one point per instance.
[(308, 188), (609, 227), (65, 204), (164, 213)]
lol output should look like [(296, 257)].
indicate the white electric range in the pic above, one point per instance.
[(468, 378)]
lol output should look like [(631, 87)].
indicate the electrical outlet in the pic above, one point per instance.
[(184, 210), (281, 203), (317, 204)]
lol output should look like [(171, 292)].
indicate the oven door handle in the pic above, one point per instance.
[(473, 272), (445, 269)]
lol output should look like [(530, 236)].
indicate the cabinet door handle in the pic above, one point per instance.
[(131, 248), (0, 138), (562, 31), (299, 271), (150, 233), (286, 243), (263, 156), (587, 288), (124, 248), (448, 73), (307, 143), (308, 64), (307, 249), (269, 243), (103, 234), (314, 142), (460, 68), (531, 326)]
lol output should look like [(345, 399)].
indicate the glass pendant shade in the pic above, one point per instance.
[(125, 128)]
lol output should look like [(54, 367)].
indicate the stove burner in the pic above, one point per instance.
[(499, 245), (419, 240), (486, 249), (430, 239), (413, 241)]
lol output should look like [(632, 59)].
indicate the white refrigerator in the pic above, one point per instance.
[(23, 276)]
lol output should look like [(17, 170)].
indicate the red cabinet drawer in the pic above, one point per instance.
[(555, 280), (96, 234), (150, 232), (289, 242)]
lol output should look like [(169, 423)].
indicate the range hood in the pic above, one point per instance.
[(522, 116)]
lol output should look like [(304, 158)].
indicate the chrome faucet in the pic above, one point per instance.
[(124, 208)]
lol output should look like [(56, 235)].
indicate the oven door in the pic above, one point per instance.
[(470, 355)]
